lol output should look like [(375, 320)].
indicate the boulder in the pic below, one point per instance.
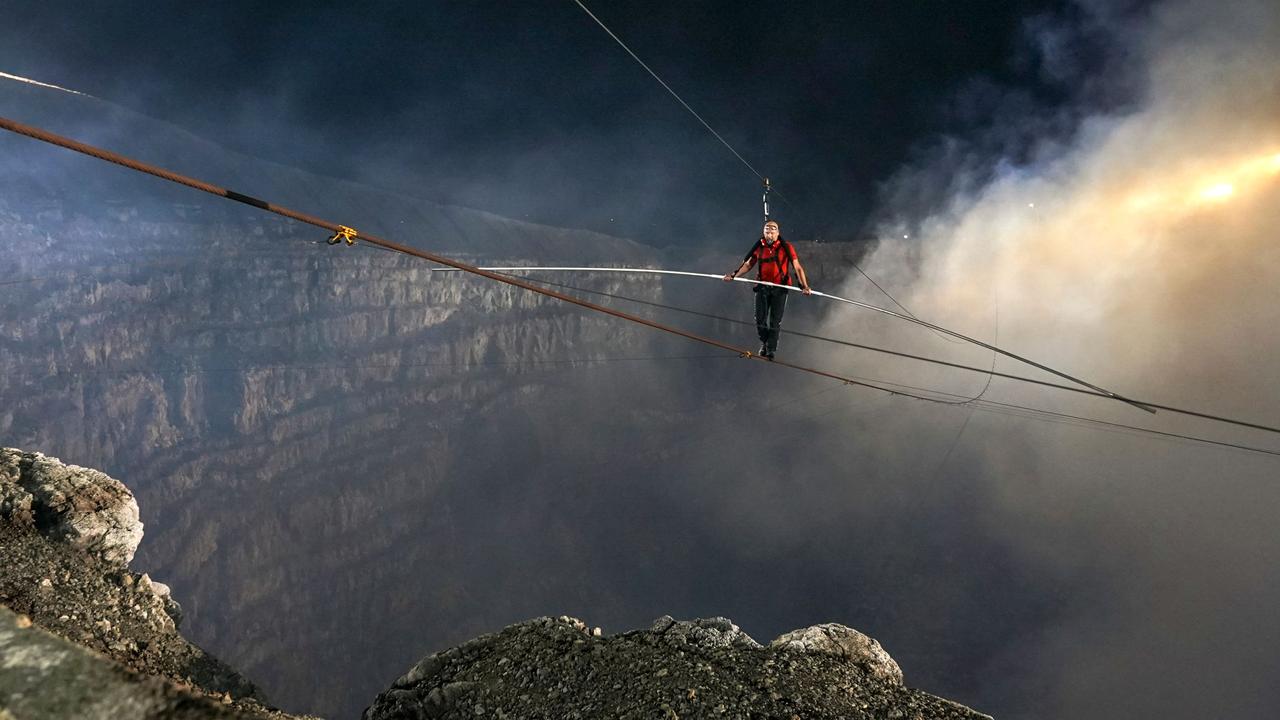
[(843, 642), (85, 508)]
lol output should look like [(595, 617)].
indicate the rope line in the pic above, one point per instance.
[(886, 388), (72, 275), (673, 92), (711, 130), (735, 321), (1048, 414), (739, 323), (118, 159), (924, 358), (868, 306), (886, 294), (1013, 409)]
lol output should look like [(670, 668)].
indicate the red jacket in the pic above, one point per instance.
[(773, 262)]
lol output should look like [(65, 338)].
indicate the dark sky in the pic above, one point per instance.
[(530, 110)]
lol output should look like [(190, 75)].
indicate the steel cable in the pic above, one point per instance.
[(923, 358), (856, 303), (724, 142), (118, 159), (885, 387)]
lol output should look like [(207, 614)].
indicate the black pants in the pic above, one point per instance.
[(770, 302)]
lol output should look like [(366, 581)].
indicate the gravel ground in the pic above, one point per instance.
[(558, 668)]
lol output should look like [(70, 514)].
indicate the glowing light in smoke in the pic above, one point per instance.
[(1172, 193), (1266, 165), (1219, 191)]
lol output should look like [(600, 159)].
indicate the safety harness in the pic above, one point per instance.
[(780, 254)]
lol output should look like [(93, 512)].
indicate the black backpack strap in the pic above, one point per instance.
[(790, 253)]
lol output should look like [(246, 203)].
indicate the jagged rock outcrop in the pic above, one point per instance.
[(716, 632), (86, 508), (82, 636), (843, 642), (66, 534), (561, 668)]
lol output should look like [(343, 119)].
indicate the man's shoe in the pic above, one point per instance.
[(764, 351)]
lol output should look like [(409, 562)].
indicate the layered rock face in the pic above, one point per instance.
[(343, 458), (315, 438), (289, 413)]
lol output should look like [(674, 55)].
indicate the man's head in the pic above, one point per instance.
[(771, 231)]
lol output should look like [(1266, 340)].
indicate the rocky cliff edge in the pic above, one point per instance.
[(83, 636), (86, 637)]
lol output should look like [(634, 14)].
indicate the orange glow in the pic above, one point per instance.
[(1226, 183), (1219, 191)]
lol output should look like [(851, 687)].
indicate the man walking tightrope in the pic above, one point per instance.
[(774, 258)]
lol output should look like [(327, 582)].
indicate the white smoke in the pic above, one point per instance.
[(1142, 256)]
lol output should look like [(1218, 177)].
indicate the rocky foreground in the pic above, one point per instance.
[(83, 636), (559, 668)]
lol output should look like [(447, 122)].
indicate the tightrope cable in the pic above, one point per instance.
[(1012, 409), (856, 303), (350, 235), (989, 372), (724, 142)]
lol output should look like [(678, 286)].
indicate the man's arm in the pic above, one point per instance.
[(804, 279), (745, 266)]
